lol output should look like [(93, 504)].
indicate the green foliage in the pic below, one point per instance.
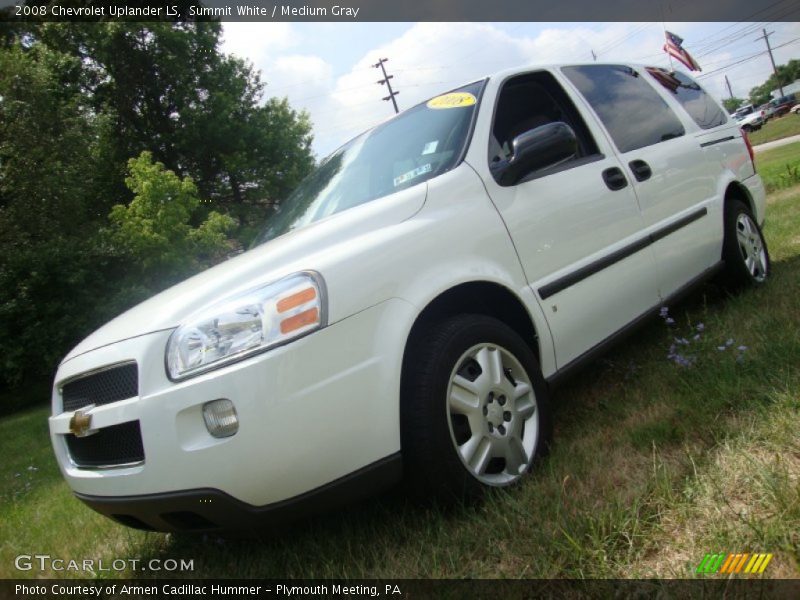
[(155, 227), (200, 112), (731, 104), (787, 74), (84, 233), (779, 167)]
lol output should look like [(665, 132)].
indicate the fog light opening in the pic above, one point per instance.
[(220, 417)]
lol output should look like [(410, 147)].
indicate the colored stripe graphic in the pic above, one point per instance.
[(734, 563)]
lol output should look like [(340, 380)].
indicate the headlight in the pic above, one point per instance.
[(247, 324)]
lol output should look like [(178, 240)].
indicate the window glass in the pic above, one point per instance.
[(529, 101), (630, 108), (420, 143), (700, 106)]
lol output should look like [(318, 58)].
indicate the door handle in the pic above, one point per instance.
[(641, 170), (615, 179)]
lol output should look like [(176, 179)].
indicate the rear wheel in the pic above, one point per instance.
[(475, 409), (744, 249)]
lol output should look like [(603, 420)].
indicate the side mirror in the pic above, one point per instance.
[(537, 149)]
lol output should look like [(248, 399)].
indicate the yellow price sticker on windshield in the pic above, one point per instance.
[(452, 100)]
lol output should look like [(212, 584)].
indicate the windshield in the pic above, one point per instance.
[(421, 143)]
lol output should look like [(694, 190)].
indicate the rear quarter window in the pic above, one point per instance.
[(701, 107)]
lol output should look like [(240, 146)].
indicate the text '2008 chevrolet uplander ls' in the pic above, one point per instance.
[(406, 309)]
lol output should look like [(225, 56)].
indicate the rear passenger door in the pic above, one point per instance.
[(673, 183)]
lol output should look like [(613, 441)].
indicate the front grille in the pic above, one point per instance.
[(111, 446), (102, 387)]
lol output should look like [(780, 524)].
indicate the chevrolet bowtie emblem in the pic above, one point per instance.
[(81, 423)]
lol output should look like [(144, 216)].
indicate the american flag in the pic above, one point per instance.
[(674, 47)]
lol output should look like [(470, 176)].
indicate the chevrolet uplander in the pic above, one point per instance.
[(406, 310)]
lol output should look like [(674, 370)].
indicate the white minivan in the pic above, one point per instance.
[(407, 309)]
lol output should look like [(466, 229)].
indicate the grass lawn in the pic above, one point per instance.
[(780, 167), (654, 465), (776, 129)]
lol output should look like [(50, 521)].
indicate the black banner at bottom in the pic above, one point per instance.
[(401, 588)]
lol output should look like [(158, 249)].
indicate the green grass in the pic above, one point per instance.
[(653, 466), (776, 129), (780, 167)]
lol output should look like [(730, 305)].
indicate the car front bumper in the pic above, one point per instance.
[(209, 510), (311, 413)]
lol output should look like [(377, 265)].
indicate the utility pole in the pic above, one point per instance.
[(765, 37), (728, 83), (385, 80), (594, 56)]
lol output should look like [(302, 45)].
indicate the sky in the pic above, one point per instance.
[(326, 68)]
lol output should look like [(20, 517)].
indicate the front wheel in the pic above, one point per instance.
[(744, 248), (475, 409)]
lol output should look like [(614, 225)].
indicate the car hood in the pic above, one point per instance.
[(303, 249)]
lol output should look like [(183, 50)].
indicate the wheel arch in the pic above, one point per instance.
[(480, 297), (737, 191)]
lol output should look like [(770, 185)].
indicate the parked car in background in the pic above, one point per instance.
[(795, 109), (749, 118), (406, 311), (781, 106)]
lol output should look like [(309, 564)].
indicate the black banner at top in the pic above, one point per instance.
[(401, 10)]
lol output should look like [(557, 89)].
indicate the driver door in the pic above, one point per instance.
[(576, 226)]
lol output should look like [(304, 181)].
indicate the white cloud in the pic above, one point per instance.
[(429, 58), (432, 57), (255, 40)]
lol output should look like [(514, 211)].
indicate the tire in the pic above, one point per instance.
[(468, 422), (747, 128), (744, 249)]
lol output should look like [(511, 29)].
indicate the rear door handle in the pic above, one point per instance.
[(614, 178), (641, 170)]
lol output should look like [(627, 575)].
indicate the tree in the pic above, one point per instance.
[(154, 230), (167, 89), (84, 233), (788, 73), (731, 104)]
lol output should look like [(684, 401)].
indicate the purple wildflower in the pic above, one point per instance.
[(701, 327), (669, 321), (742, 348), (729, 342), (696, 337), (721, 348), (663, 312)]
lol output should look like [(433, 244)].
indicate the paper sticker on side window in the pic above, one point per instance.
[(401, 179)]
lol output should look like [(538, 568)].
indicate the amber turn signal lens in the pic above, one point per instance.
[(307, 317), (297, 299)]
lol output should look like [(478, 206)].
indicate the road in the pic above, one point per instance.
[(776, 143)]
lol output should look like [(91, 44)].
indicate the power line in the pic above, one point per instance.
[(738, 62)]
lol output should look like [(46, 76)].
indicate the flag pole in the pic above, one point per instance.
[(664, 27)]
